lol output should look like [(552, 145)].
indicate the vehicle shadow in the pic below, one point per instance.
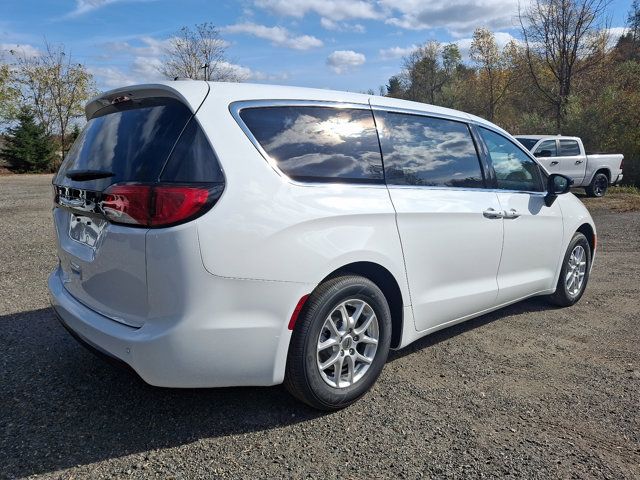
[(63, 407), (535, 304)]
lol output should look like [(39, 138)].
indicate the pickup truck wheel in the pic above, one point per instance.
[(598, 186), (340, 343), (574, 274)]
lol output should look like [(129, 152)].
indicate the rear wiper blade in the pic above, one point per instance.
[(83, 175)]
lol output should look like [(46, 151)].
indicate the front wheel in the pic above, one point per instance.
[(339, 344), (574, 274), (598, 186)]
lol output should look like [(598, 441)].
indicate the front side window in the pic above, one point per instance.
[(419, 150), (318, 144), (514, 169), (569, 148), (547, 149)]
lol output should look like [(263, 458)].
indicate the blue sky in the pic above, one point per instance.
[(340, 44)]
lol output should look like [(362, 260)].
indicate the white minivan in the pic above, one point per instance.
[(214, 234)]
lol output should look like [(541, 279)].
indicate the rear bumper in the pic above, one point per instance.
[(233, 344), (617, 180)]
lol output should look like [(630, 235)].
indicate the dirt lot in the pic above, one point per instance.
[(526, 392)]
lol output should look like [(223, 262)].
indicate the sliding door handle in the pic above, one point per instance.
[(513, 213), (555, 162), (491, 213)]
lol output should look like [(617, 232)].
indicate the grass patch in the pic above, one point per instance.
[(625, 189), (618, 199)]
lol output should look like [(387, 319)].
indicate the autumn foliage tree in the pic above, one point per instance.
[(495, 68), (56, 88)]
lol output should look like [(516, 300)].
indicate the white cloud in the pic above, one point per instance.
[(23, 50), (396, 52), (502, 38), (144, 61), (329, 24), (614, 34), (279, 36), (112, 77), (456, 16), (335, 10), (149, 46), (341, 61), (85, 6)]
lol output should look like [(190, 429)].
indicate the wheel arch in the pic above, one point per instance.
[(601, 169), (386, 282), (588, 231)]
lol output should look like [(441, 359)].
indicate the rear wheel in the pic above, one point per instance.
[(575, 272), (598, 186), (340, 343)]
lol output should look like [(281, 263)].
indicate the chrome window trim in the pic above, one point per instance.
[(237, 106), (465, 189), (423, 113)]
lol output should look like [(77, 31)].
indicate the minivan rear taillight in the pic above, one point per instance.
[(157, 205)]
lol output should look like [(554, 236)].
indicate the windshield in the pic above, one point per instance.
[(527, 142), (129, 142)]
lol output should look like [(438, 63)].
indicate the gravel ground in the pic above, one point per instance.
[(526, 392)]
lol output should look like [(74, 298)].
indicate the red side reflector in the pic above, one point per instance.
[(296, 311)]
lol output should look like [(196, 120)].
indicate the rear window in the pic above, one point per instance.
[(427, 151), (528, 143), (569, 148), (133, 141), (318, 144)]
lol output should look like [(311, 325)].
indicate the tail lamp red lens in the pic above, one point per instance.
[(154, 205)]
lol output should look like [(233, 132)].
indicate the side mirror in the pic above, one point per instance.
[(556, 185)]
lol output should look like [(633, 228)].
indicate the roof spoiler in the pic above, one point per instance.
[(190, 93)]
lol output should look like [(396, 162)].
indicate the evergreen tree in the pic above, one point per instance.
[(27, 147)]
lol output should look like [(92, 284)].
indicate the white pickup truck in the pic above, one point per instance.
[(566, 155)]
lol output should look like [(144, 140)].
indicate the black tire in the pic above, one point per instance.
[(598, 186), (562, 296), (303, 378)]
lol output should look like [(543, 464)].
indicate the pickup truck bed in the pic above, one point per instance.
[(566, 155)]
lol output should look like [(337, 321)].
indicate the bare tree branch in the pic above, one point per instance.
[(199, 54), (562, 38)]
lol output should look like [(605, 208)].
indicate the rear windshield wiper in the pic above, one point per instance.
[(84, 175)]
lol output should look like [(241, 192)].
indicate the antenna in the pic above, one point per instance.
[(205, 66)]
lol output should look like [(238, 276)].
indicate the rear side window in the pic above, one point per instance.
[(420, 150), (192, 159), (318, 144), (131, 140), (569, 148), (514, 169)]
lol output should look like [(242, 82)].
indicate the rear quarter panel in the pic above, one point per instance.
[(610, 163), (267, 227)]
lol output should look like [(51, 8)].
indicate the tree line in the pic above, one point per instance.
[(566, 75)]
